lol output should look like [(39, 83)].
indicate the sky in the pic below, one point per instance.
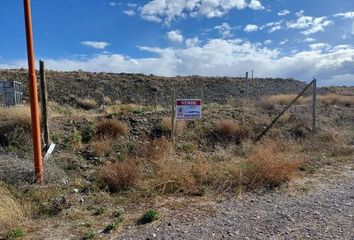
[(301, 39)]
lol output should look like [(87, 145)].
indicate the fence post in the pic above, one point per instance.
[(282, 112), (314, 98), (173, 115), (156, 101), (248, 86), (44, 104)]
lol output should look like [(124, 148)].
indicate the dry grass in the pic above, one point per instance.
[(167, 125), (267, 166), (128, 108), (12, 213), (87, 103), (228, 129), (301, 129), (284, 99), (15, 126), (174, 177), (329, 99), (110, 128), (330, 143), (154, 150), (332, 99), (16, 117), (119, 176), (100, 147), (56, 109)]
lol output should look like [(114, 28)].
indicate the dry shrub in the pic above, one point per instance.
[(285, 99), (15, 126), (267, 166), (12, 213), (330, 142), (87, 103), (229, 130), (154, 150), (127, 108), (16, 116), (337, 99), (329, 99), (119, 176), (167, 125), (301, 129), (110, 128), (224, 154), (100, 147), (174, 177)]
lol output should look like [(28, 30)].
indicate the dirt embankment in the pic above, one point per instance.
[(64, 87)]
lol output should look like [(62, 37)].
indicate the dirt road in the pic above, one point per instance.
[(320, 207)]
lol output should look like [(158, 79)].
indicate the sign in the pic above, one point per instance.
[(188, 109)]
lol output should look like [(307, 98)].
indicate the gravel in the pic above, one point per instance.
[(325, 212), (20, 171)]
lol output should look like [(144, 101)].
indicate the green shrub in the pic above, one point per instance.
[(87, 133), (99, 211), (15, 233), (150, 216), (89, 235)]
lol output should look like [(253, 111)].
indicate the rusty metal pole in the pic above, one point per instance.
[(32, 79)]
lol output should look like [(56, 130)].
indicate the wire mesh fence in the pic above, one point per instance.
[(225, 129)]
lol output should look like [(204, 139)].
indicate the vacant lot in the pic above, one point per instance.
[(116, 173)]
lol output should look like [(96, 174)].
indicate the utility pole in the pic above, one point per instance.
[(32, 80)]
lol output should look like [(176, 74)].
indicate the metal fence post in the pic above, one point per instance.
[(314, 105), (156, 105), (173, 115), (248, 86)]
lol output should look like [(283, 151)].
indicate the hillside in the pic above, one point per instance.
[(65, 87)]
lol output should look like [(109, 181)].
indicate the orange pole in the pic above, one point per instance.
[(32, 79)]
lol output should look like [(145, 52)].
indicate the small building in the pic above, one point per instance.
[(11, 93)]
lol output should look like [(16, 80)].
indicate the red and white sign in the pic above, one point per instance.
[(188, 109)]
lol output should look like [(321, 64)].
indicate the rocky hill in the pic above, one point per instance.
[(65, 87)]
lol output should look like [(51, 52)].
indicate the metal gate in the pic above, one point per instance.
[(11, 93)]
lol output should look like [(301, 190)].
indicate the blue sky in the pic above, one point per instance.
[(276, 38)]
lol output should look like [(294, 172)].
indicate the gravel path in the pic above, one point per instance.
[(323, 209)]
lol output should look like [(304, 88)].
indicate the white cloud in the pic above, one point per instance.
[(345, 15), (309, 39), (319, 46), (113, 4), (273, 26), (225, 30), (267, 42), (310, 25), (300, 13), (284, 42), (255, 5), (129, 12), (192, 42), (284, 12), (132, 5), (220, 57), (96, 45), (175, 36), (168, 10), (251, 28)]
